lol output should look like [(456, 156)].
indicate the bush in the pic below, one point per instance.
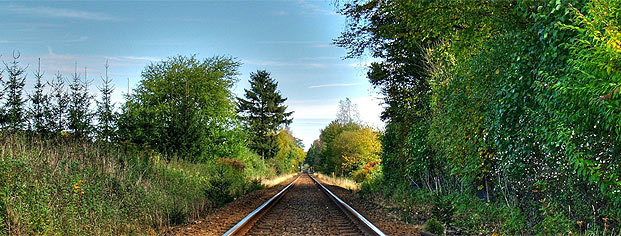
[(443, 208), (434, 226)]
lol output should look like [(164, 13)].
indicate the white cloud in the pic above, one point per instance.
[(63, 13), (333, 85)]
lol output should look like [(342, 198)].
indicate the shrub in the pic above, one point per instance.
[(434, 226)]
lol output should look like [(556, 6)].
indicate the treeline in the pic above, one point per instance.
[(52, 107), (516, 102), (346, 146), (74, 162), (182, 108)]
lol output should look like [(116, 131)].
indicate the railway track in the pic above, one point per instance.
[(304, 207)]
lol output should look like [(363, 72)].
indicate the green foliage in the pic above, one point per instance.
[(263, 112), (14, 107), (290, 155), (79, 116), (344, 148), (62, 186), (58, 104), (106, 116), (434, 226), (40, 108), (514, 101), (183, 107), (443, 208)]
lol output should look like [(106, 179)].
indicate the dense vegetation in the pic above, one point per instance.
[(505, 113), (174, 151), (346, 147)]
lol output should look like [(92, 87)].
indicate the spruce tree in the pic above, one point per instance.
[(263, 112), (13, 88), (39, 111), (58, 104), (106, 117), (79, 116)]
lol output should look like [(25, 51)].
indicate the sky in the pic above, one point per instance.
[(291, 39)]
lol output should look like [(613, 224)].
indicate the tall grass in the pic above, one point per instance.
[(63, 187), (342, 182)]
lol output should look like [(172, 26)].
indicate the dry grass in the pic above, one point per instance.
[(276, 180), (338, 181)]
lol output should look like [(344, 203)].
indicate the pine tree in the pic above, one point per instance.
[(263, 112), (39, 110), (79, 116), (13, 88), (58, 106), (105, 109)]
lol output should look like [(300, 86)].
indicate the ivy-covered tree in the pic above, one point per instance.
[(39, 109), (13, 88), (106, 117), (79, 117), (263, 112), (517, 101), (58, 104)]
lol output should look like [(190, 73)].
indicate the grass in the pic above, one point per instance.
[(342, 182), (63, 187), (269, 182)]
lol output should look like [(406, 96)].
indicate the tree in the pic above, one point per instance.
[(184, 107), (13, 88), (58, 104), (264, 112), (40, 105), (78, 113), (106, 116), (289, 155), (313, 152), (348, 112), (355, 148)]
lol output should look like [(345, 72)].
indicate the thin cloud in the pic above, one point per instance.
[(4, 41), (134, 58), (80, 39), (294, 42), (280, 13), (323, 45), (333, 85), (280, 63), (63, 13), (314, 9)]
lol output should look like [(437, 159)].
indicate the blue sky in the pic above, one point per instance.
[(292, 39)]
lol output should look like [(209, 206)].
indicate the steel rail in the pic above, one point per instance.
[(243, 225), (365, 225)]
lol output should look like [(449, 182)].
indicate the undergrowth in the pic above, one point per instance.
[(63, 187)]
